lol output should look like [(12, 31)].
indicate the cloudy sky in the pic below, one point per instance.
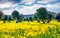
[(28, 6)]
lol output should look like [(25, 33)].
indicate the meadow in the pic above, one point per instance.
[(29, 29)]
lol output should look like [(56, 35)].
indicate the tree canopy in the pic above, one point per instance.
[(42, 14), (15, 14)]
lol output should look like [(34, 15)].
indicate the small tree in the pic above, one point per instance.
[(42, 14), (15, 14), (1, 15), (5, 18), (30, 19), (20, 18), (27, 19), (35, 16), (58, 17), (49, 17), (9, 18)]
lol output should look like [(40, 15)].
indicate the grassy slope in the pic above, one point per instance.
[(29, 30)]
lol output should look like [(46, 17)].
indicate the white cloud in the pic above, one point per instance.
[(39, 2), (8, 12), (53, 7), (30, 9), (24, 10), (47, 1), (56, 5), (28, 1), (5, 5)]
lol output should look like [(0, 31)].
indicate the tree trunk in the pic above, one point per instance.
[(48, 21), (4, 22), (43, 21), (38, 21)]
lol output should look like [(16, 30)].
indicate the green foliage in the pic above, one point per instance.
[(19, 32), (21, 17), (58, 17), (0, 33), (5, 18), (15, 14), (35, 16), (41, 14), (1, 15), (50, 33)]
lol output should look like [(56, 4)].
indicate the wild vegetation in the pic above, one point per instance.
[(29, 30), (41, 15), (42, 25)]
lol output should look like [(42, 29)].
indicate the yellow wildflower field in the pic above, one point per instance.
[(29, 30)]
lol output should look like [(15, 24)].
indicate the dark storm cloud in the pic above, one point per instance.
[(15, 1), (12, 1)]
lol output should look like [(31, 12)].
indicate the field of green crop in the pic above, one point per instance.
[(29, 30)]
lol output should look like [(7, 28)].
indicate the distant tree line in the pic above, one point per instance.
[(40, 15)]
